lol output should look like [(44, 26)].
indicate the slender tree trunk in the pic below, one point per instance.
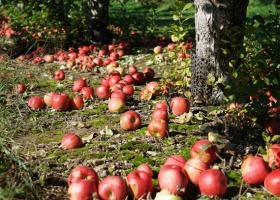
[(218, 28), (98, 20)]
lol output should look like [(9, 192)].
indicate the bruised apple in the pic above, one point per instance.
[(19, 88), (158, 128), (273, 156), (140, 184), (112, 187), (130, 120), (71, 141)]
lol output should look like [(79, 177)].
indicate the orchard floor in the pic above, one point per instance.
[(107, 148)]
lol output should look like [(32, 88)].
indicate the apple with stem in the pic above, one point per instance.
[(130, 120)]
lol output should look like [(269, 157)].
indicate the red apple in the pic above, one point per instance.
[(205, 151), (36, 102), (87, 92), (113, 80), (194, 167), (140, 184), (273, 156), (71, 141), (128, 90), (181, 54), (112, 187), (171, 46), (176, 160), (103, 92), (105, 81), (132, 69), (254, 169), (77, 103), (116, 105), (59, 75), (102, 52), (48, 98), (161, 105), (158, 128), (160, 114), (146, 168), (19, 88), (82, 189), (179, 106), (119, 94), (128, 78), (173, 179), (79, 84), (149, 73), (212, 182), (83, 172), (272, 182), (130, 120), (98, 61), (106, 61), (139, 78), (61, 102)]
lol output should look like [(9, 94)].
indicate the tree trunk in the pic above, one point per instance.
[(98, 20), (219, 27)]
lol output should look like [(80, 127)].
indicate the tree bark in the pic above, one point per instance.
[(219, 27), (98, 20)]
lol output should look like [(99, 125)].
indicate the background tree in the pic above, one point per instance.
[(219, 29)]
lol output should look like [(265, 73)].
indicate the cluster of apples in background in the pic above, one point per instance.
[(173, 178)]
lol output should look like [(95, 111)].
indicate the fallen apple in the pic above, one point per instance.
[(71, 141), (130, 120)]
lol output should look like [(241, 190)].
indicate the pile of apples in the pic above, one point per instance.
[(173, 179)]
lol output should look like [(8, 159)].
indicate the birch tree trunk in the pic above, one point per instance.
[(219, 27), (98, 20)]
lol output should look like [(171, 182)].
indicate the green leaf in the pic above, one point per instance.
[(206, 146), (176, 17), (187, 6), (174, 38)]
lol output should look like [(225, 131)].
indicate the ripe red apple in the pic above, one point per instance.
[(171, 46), (176, 160), (59, 75), (71, 141), (98, 61), (181, 54), (212, 182), (139, 78), (194, 167), (272, 182), (48, 58), (61, 102), (103, 92), (272, 125), (128, 78), (132, 69), (130, 120), (161, 105), (79, 84), (119, 94), (128, 90), (105, 81), (112, 187), (87, 92), (179, 106), (149, 73), (77, 103), (83, 172), (113, 80), (158, 128), (146, 168), (106, 61), (82, 189), (173, 179), (158, 49), (48, 98), (205, 151), (36, 102), (160, 114), (254, 169), (19, 88), (273, 156), (102, 52), (116, 105), (139, 184)]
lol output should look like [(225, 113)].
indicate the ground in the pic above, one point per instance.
[(107, 148)]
